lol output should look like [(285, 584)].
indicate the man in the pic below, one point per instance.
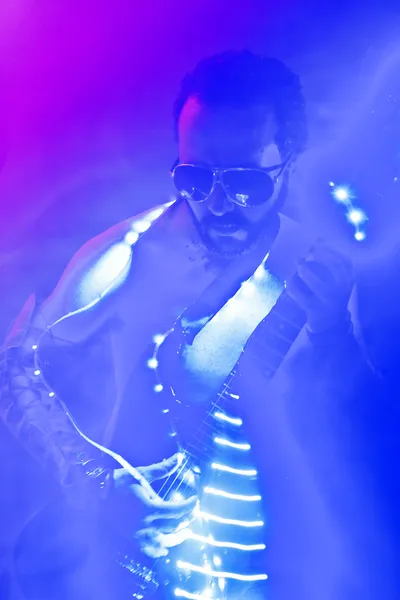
[(240, 125)]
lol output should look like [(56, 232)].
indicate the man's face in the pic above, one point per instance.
[(226, 138)]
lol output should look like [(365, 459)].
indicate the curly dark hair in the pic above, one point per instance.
[(243, 79)]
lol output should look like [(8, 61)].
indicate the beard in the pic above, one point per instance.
[(229, 247)]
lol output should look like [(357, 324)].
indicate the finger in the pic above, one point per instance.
[(169, 508), (170, 540), (337, 262), (169, 526), (320, 287), (300, 292), (162, 469), (150, 542), (170, 521)]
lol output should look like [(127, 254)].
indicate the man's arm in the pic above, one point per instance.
[(82, 302)]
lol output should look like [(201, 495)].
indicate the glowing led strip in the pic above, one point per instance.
[(216, 492), (247, 472), (224, 442), (223, 521), (182, 594), (232, 420), (211, 542), (224, 574)]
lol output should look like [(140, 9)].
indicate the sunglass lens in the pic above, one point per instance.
[(192, 182), (248, 187)]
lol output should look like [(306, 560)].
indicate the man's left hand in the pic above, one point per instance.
[(322, 287)]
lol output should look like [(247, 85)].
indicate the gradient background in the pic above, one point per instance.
[(86, 90)]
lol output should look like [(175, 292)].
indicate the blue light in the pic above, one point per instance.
[(223, 521), (356, 216), (244, 497), (234, 471), (341, 194), (152, 363), (218, 544), (225, 574), (141, 226), (360, 236), (158, 339), (224, 417), (235, 445), (131, 237)]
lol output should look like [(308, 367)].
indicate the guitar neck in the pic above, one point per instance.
[(273, 338)]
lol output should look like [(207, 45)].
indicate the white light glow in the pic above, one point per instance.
[(356, 216), (158, 339), (218, 544), (154, 214), (225, 574), (141, 226), (234, 396), (245, 498), (183, 594), (152, 363), (34, 347), (225, 442), (259, 273), (245, 472), (217, 560), (248, 288), (341, 194), (331, 184), (158, 387), (131, 237), (177, 497), (232, 420), (360, 236), (36, 372), (51, 394), (238, 523)]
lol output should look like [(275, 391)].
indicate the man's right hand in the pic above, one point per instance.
[(157, 524)]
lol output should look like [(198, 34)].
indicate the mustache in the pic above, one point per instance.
[(227, 220)]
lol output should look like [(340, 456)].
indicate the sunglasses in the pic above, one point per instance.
[(244, 186)]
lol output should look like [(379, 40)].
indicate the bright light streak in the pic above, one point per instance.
[(225, 574), (218, 544), (215, 492), (225, 442), (246, 472), (235, 522), (232, 420), (183, 594)]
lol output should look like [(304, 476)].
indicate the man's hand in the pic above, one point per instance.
[(322, 287), (157, 524)]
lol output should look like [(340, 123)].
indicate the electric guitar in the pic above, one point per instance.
[(223, 555)]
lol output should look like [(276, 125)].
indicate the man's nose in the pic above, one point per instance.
[(218, 202)]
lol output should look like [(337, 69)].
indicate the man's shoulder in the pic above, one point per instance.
[(128, 230), (103, 263)]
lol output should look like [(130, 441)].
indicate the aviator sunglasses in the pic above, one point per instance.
[(248, 187)]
